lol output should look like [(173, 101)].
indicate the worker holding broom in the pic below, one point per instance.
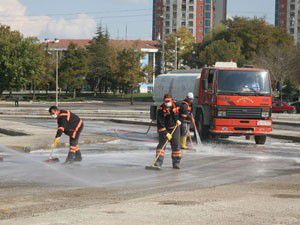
[(168, 128), (185, 112), (71, 125)]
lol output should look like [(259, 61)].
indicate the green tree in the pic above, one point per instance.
[(180, 43), (220, 50), (12, 51), (35, 65), (251, 36), (129, 72), (73, 69), (100, 62), (21, 60)]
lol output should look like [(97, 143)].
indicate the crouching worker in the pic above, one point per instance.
[(71, 125), (186, 118), (168, 128)]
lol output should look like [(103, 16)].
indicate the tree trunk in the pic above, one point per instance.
[(74, 94), (33, 91), (131, 97)]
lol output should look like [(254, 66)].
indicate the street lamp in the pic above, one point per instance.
[(163, 63)]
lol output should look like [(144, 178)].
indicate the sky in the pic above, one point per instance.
[(79, 18)]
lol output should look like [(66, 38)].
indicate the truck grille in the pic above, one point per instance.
[(243, 112)]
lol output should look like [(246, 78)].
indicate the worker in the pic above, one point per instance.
[(71, 125), (168, 128), (185, 113)]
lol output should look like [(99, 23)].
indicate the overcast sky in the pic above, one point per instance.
[(79, 18)]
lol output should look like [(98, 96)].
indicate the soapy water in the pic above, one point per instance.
[(121, 163)]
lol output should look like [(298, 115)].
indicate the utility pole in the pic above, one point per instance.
[(176, 53), (56, 79), (163, 65)]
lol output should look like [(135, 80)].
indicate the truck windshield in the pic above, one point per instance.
[(243, 82)]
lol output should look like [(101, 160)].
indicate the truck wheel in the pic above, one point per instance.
[(202, 129), (260, 140)]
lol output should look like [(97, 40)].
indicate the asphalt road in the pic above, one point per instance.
[(120, 164)]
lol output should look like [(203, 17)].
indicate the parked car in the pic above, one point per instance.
[(297, 106), (282, 107)]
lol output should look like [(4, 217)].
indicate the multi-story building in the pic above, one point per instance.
[(199, 16), (287, 16)]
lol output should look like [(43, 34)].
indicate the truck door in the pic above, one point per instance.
[(210, 91)]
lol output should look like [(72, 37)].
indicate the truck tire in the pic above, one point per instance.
[(202, 129), (260, 140)]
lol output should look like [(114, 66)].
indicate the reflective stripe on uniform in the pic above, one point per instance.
[(76, 129), (162, 129), (176, 154), (61, 128), (68, 115)]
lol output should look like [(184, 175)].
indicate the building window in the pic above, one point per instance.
[(191, 16), (207, 23), (191, 1), (167, 16), (167, 31), (191, 8), (191, 23), (183, 24), (191, 31), (183, 15), (167, 23)]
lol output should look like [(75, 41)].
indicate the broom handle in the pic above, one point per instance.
[(51, 153)]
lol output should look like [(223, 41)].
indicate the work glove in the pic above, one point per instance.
[(169, 136), (178, 123), (55, 143)]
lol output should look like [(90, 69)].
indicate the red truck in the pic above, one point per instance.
[(229, 101), (234, 101)]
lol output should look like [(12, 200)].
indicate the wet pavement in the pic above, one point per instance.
[(120, 164)]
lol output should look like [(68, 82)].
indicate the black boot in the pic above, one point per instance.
[(70, 157), (176, 166), (78, 157)]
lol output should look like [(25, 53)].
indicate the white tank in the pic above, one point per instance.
[(178, 84)]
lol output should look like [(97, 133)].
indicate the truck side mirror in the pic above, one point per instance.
[(205, 84)]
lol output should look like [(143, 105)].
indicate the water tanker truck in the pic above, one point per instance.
[(229, 101)]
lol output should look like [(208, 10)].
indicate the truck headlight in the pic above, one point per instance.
[(222, 113), (264, 123)]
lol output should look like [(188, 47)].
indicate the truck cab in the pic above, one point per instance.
[(234, 101)]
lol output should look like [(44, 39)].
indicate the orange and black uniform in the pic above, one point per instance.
[(71, 125), (166, 122), (185, 113)]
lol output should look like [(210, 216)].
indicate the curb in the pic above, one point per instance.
[(285, 137), (286, 123)]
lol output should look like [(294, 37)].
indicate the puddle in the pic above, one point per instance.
[(287, 196), (12, 132), (179, 203)]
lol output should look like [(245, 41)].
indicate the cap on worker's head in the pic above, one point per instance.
[(190, 95), (52, 108), (168, 97)]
